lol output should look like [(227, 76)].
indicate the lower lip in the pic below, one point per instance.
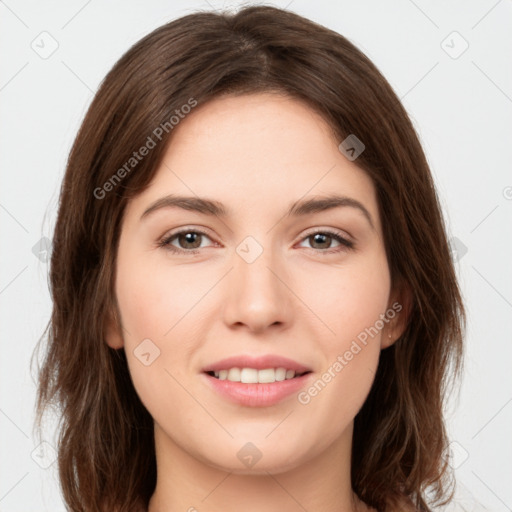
[(257, 395)]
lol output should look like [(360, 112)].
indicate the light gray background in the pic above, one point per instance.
[(461, 107)]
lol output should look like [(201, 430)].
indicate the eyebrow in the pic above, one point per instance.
[(298, 208)]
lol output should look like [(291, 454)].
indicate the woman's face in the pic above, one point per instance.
[(263, 279)]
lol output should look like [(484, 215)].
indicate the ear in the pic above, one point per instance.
[(397, 313), (112, 333)]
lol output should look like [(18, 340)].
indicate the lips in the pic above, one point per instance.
[(256, 381)]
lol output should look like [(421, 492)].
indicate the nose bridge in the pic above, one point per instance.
[(257, 298)]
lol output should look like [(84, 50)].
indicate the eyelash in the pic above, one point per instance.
[(165, 242)]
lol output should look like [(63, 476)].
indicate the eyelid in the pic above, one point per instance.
[(165, 240), (346, 243), (331, 231)]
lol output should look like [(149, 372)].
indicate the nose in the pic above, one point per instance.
[(257, 296)]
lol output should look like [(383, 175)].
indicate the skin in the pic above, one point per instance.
[(256, 154)]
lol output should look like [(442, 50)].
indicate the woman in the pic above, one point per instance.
[(254, 301)]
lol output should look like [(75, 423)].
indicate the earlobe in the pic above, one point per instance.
[(398, 312), (112, 334), (387, 339)]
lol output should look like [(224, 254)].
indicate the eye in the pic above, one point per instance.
[(324, 239), (186, 240), (191, 240)]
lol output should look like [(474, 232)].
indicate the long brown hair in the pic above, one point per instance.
[(106, 454)]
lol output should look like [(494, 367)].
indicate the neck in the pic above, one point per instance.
[(187, 484)]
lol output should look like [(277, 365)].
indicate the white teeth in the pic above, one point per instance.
[(280, 374), (253, 376), (249, 376), (267, 376), (234, 375)]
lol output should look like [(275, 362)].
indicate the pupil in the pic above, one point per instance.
[(190, 238), (320, 238)]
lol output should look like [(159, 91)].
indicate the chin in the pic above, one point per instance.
[(261, 468), (266, 460)]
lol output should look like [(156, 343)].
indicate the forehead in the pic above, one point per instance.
[(257, 151), (264, 125)]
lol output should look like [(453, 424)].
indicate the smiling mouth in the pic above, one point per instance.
[(254, 376)]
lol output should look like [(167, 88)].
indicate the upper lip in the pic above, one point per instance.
[(256, 362)]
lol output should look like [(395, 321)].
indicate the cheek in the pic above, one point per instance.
[(347, 298), (163, 303), (155, 297), (351, 302)]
